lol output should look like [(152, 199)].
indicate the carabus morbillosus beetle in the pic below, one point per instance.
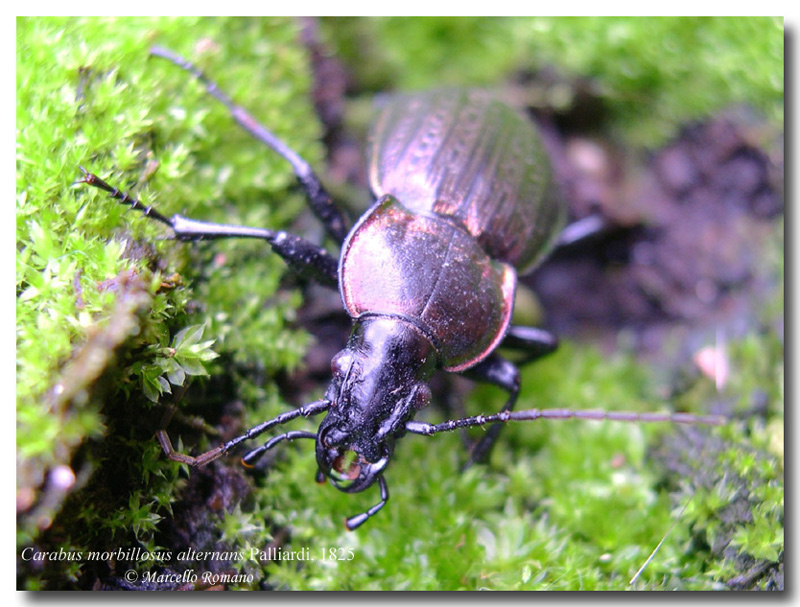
[(465, 201)]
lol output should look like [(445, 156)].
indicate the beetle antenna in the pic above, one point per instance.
[(416, 427), (249, 460)]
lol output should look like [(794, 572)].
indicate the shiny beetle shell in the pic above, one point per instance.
[(464, 154), (429, 270)]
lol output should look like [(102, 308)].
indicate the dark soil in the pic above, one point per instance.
[(687, 229)]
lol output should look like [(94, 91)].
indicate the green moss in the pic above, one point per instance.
[(112, 301), (737, 504), (563, 505), (652, 75)]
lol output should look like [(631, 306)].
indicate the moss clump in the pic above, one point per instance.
[(110, 320), (652, 75)]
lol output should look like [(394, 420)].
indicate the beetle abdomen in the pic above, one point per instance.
[(431, 271), (465, 154)]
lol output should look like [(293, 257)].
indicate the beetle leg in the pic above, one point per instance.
[(319, 200), (534, 343), (302, 256), (582, 229), (498, 371), (354, 522), (308, 410)]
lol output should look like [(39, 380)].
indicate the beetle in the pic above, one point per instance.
[(464, 202)]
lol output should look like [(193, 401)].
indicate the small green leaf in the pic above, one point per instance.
[(188, 336), (175, 374)]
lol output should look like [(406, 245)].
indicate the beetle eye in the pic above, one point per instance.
[(341, 363), (421, 397)]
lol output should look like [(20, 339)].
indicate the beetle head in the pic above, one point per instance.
[(380, 380)]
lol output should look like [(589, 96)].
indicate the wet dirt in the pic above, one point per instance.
[(689, 226)]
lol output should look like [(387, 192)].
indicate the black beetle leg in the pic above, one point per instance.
[(250, 458), (498, 371), (318, 198), (534, 343), (582, 230), (354, 522), (308, 410), (301, 255)]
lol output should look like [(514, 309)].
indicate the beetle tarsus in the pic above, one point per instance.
[(122, 197)]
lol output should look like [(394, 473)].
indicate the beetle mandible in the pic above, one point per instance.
[(464, 200)]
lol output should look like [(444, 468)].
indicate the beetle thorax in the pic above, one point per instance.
[(380, 380)]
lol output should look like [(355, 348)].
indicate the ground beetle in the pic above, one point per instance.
[(465, 200)]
